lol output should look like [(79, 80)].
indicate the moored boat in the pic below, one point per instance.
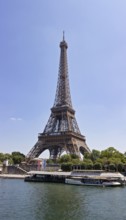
[(92, 181), (45, 176), (95, 178)]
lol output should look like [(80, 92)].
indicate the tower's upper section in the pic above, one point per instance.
[(63, 97)]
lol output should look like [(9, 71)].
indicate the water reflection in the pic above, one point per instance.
[(57, 201)]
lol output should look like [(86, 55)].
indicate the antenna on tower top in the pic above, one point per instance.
[(63, 35)]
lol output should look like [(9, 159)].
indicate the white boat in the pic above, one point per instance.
[(88, 181), (95, 178)]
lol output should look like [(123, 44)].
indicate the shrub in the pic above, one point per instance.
[(112, 167), (97, 166), (89, 166), (120, 167), (66, 166)]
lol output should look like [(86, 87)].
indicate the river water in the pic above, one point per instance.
[(33, 201)]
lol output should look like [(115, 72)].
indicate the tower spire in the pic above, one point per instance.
[(63, 97)]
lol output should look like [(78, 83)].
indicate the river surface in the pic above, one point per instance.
[(33, 201)]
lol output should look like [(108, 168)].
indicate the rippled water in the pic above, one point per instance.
[(45, 201)]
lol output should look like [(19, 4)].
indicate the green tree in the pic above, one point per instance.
[(97, 166), (110, 152), (76, 161), (65, 158), (89, 166), (112, 167), (17, 157), (83, 165), (50, 161), (2, 158), (120, 167), (95, 154), (87, 156), (87, 163), (66, 166)]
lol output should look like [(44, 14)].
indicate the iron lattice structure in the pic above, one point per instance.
[(61, 132)]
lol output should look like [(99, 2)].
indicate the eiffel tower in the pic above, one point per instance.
[(61, 132)]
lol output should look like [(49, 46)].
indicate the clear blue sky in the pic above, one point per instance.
[(30, 32)]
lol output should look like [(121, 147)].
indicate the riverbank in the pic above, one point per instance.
[(22, 176), (12, 176), (43, 173)]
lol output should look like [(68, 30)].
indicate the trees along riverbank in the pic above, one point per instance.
[(13, 158), (108, 159)]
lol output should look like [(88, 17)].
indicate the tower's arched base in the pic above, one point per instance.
[(70, 142)]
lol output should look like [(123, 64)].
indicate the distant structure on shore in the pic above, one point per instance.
[(61, 132)]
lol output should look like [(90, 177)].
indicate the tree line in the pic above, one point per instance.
[(13, 158), (108, 159)]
